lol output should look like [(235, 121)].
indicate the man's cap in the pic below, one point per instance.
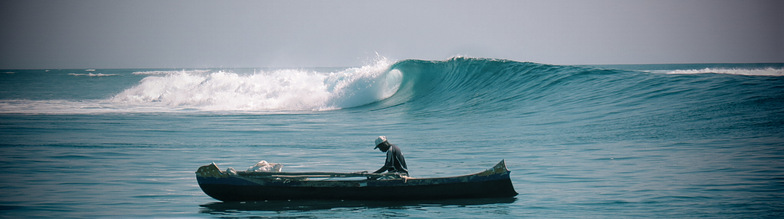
[(379, 140)]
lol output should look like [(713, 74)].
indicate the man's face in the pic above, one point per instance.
[(383, 147)]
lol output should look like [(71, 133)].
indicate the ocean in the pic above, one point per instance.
[(664, 141)]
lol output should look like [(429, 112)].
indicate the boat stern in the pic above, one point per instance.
[(504, 187)]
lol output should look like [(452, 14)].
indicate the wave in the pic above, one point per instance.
[(457, 86), (479, 84)]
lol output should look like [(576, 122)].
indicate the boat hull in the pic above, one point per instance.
[(493, 183)]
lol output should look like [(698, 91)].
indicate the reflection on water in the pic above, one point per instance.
[(223, 208)]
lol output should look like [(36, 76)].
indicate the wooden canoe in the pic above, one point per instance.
[(259, 186)]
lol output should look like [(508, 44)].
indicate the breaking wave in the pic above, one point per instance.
[(275, 90)]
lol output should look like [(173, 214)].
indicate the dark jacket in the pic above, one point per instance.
[(395, 161)]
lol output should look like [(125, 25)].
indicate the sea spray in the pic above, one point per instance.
[(275, 90), (364, 85)]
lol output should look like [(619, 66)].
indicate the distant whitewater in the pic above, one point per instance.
[(769, 71)]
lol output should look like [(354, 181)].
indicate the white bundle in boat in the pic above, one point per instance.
[(263, 166), (231, 171)]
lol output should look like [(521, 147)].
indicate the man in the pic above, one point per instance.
[(395, 162)]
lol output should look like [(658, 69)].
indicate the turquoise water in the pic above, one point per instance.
[(689, 140)]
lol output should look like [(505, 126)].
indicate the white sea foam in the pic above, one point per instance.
[(278, 90), (92, 74), (57, 107), (733, 71)]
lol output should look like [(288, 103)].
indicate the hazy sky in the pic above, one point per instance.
[(177, 34)]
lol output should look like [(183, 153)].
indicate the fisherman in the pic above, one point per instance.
[(395, 162)]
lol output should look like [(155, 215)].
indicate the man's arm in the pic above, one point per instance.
[(387, 164)]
